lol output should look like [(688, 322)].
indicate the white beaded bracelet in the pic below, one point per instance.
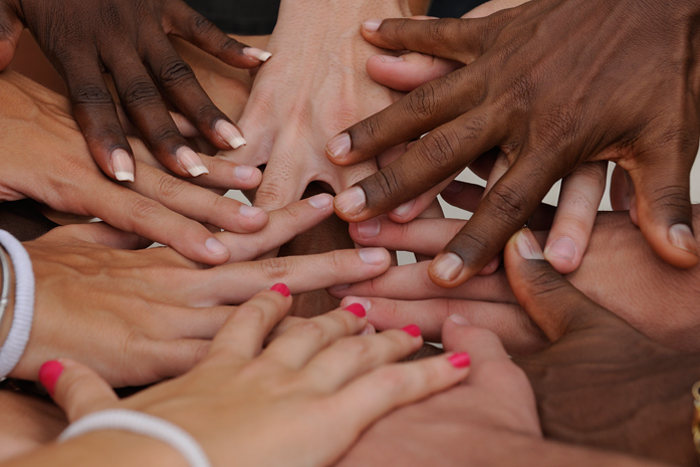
[(23, 313), (143, 424)]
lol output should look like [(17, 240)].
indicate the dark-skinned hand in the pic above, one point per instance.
[(128, 39), (553, 84)]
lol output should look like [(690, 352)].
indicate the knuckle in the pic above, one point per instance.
[(170, 187), (143, 210), (546, 284), (507, 204), (310, 329), (138, 92), (357, 349), (439, 31), (438, 148), (200, 26), (670, 197), (251, 312), (390, 379), (386, 183), (276, 268), (90, 94), (175, 73), (557, 127), (422, 102)]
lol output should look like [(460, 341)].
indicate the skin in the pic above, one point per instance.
[(501, 100), (129, 41), (240, 395), (145, 315)]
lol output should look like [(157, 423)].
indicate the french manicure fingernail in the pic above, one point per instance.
[(215, 247), (448, 266), (322, 201), (412, 330), (356, 309), (563, 247), (281, 288), (339, 146), (403, 210), (372, 25), (249, 211), (459, 319), (527, 246), (351, 202), (122, 166), (363, 302), (229, 133), (49, 374), (460, 360), (244, 172), (191, 161), (369, 229), (373, 256), (259, 54), (682, 237), (390, 58)]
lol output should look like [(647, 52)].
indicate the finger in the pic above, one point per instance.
[(198, 203), (193, 323), (301, 273), (348, 358), (228, 175), (99, 233), (415, 207), (555, 305), (579, 199), (504, 210), (423, 109), (662, 189), (94, 111), (283, 225), (77, 389), (201, 32), (620, 189), (150, 219), (176, 78), (279, 187), (406, 72), (242, 337), (434, 158), (302, 342), (10, 32)]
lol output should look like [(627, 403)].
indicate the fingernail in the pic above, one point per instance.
[(321, 201), (460, 360), (459, 319), (351, 202), (454, 188), (281, 288), (229, 133), (373, 256), (244, 172), (368, 330), (369, 229), (363, 302), (563, 247), (448, 266), (339, 146), (682, 237), (249, 211), (390, 58), (372, 25), (527, 246), (356, 309), (259, 54), (403, 210), (215, 247), (412, 330), (122, 165), (191, 161), (49, 374), (338, 288)]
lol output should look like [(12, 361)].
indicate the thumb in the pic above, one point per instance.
[(77, 389)]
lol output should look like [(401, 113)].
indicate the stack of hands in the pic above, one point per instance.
[(560, 341)]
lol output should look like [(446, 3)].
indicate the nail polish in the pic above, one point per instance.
[(229, 133), (527, 246), (373, 256), (412, 330), (122, 165), (447, 266), (339, 146), (460, 360), (363, 302), (369, 229), (281, 288), (356, 309), (259, 54), (49, 374), (351, 202), (191, 161)]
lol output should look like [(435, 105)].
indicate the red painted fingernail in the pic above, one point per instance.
[(356, 309), (412, 330), (49, 374), (460, 360), (281, 288)]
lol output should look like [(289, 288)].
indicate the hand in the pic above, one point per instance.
[(140, 316), (129, 40), (313, 390), (64, 176), (500, 100)]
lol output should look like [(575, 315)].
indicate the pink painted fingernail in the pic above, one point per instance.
[(447, 266), (49, 374), (369, 229), (527, 246), (356, 309), (229, 133), (256, 53), (390, 58), (412, 330), (281, 288), (372, 25), (682, 238), (122, 165), (363, 302), (563, 247), (339, 146), (351, 202), (460, 360), (191, 161)]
